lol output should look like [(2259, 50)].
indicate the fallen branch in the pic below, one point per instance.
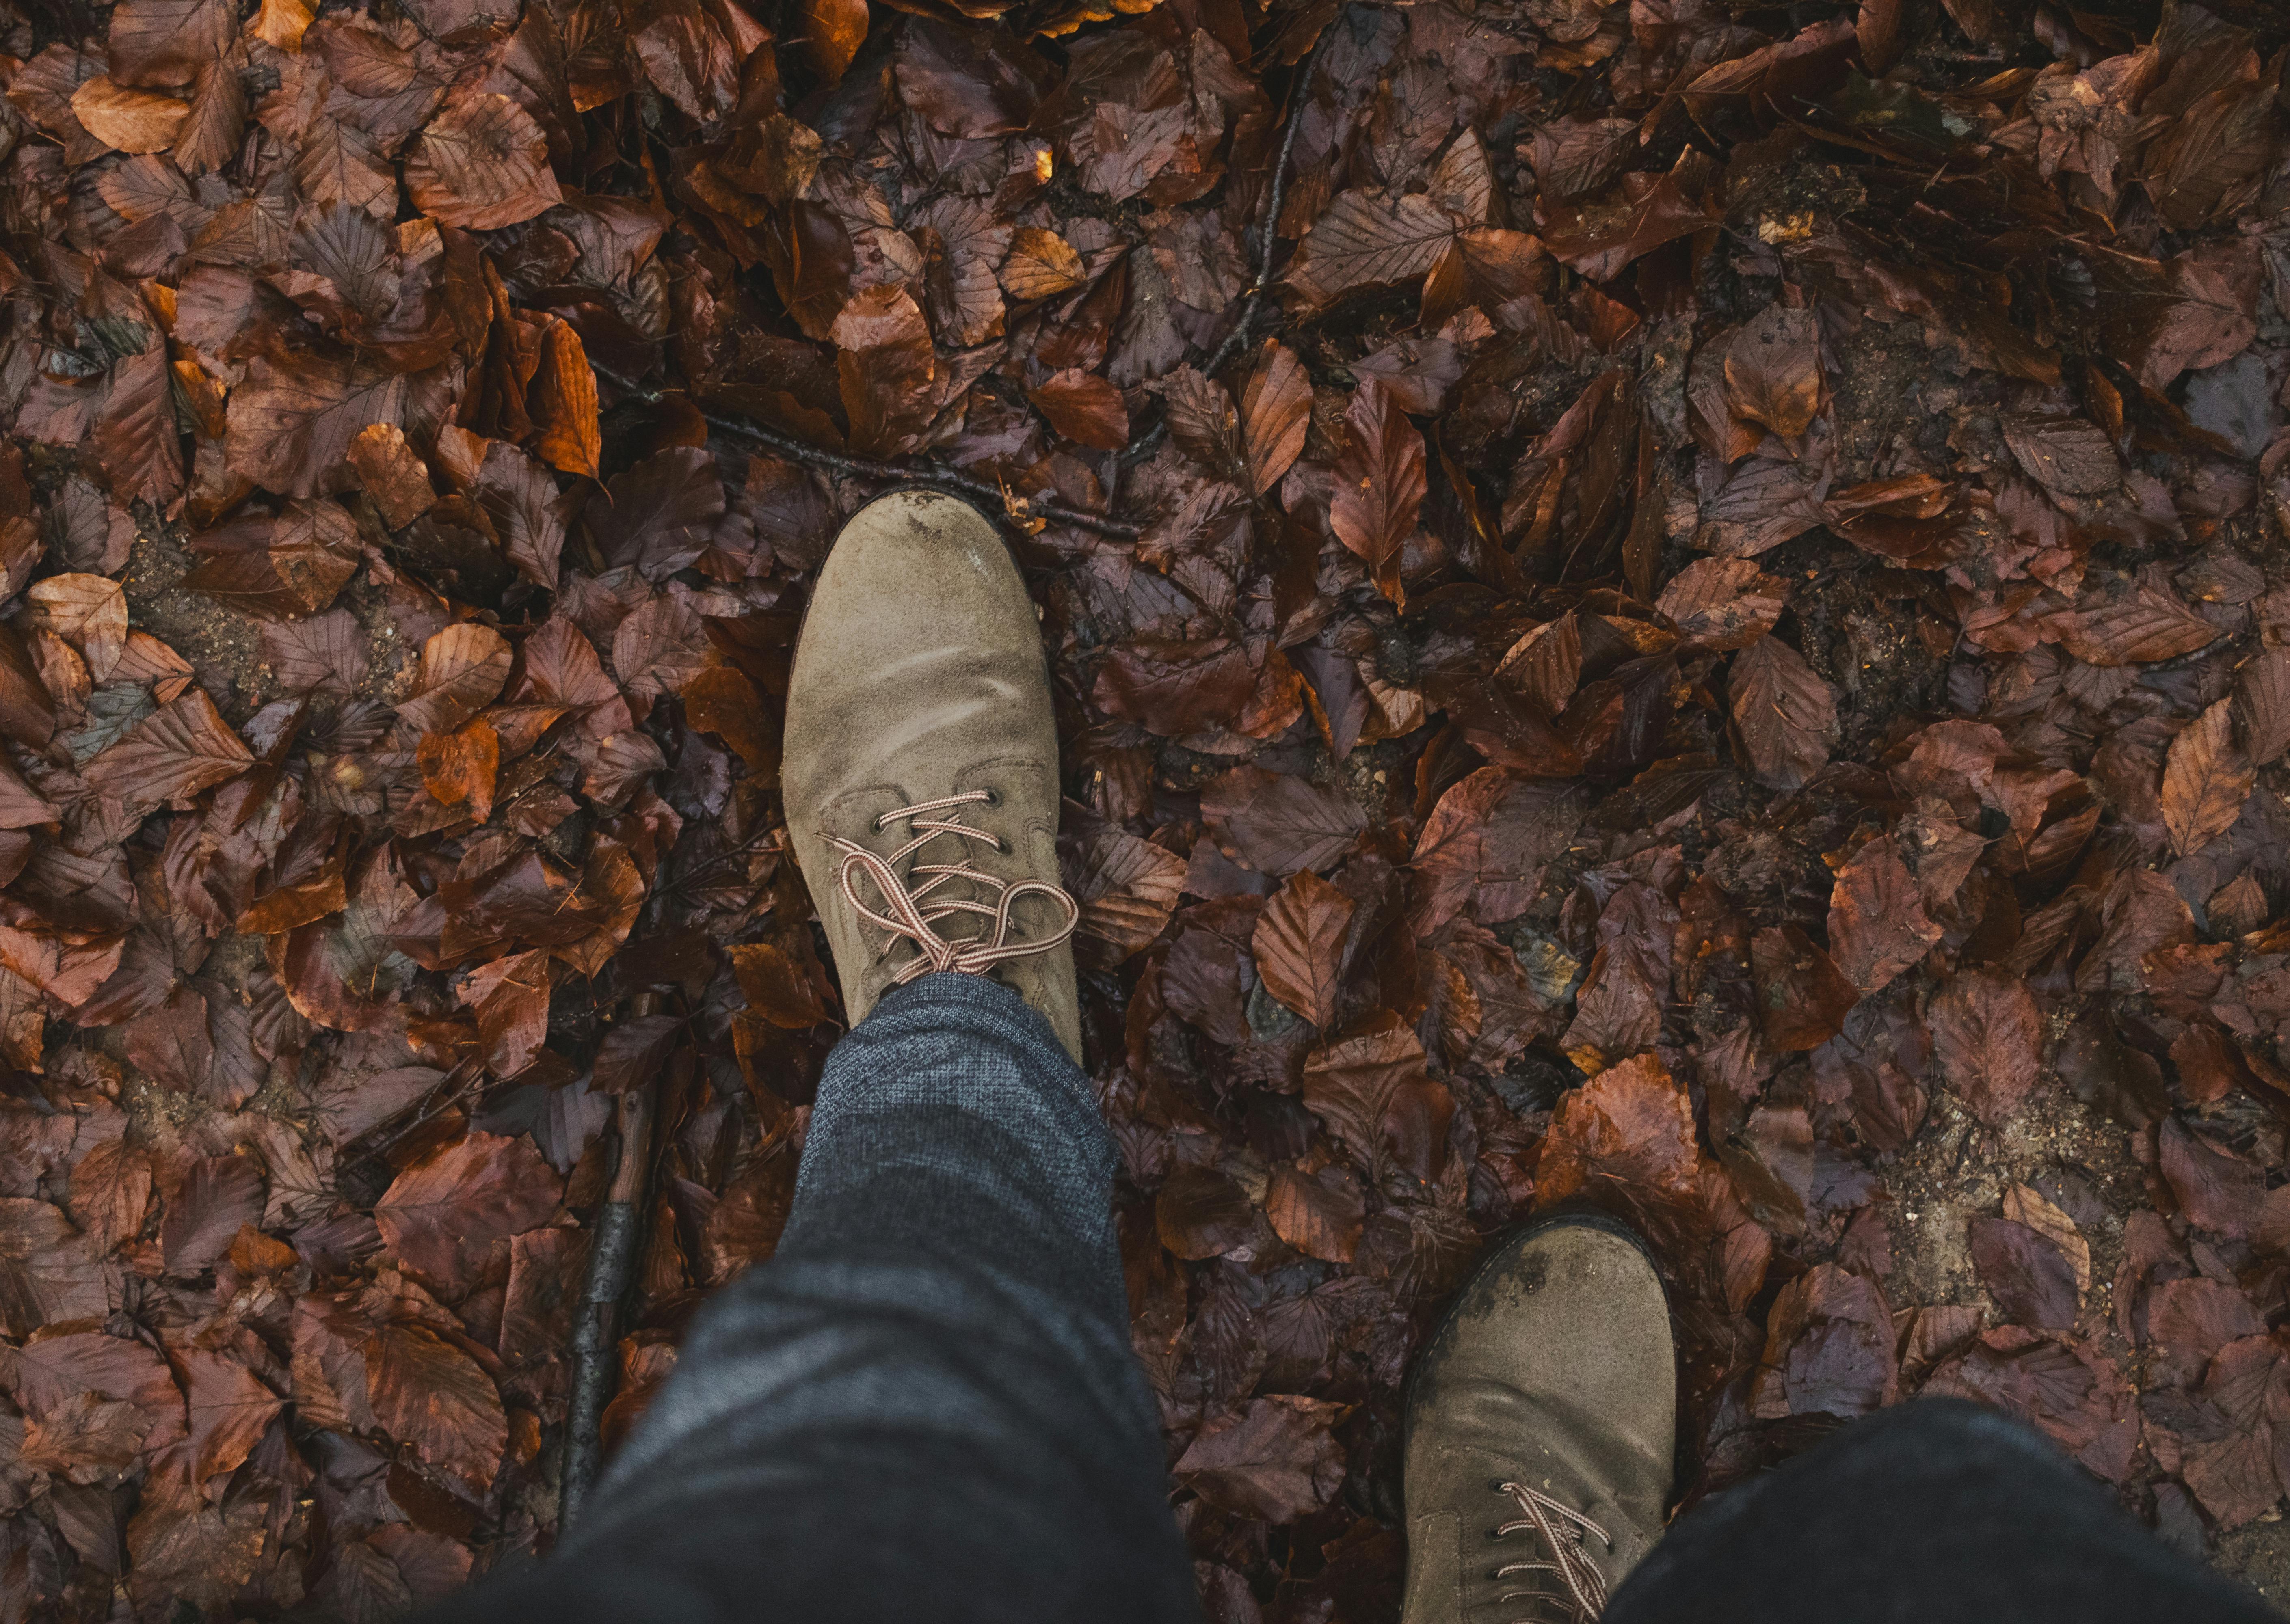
[(613, 1243), (998, 498)]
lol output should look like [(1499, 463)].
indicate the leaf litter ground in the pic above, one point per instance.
[(1714, 640)]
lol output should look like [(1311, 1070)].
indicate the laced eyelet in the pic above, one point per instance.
[(993, 797)]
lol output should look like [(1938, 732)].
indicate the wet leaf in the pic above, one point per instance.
[(450, 1217), (482, 164), (2205, 780), (1085, 408), (1276, 1460), (1299, 946), (1786, 713), (1278, 824), (1878, 926), (1772, 370), (462, 670), (1276, 409), (1985, 1030), (178, 750), (1379, 486)]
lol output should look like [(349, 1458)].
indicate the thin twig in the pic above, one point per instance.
[(995, 497), (1269, 227), (1267, 244)]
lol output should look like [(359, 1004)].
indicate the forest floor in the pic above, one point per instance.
[(1674, 604)]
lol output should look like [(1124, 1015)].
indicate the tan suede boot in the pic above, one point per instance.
[(1542, 1420), (921, 762)]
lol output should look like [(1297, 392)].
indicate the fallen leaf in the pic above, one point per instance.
[(1299, 946), (482, 164), (127, 119), (1786, 713), (2205, 780), (1379, 486), (1276, 1460), (1985, 1027)]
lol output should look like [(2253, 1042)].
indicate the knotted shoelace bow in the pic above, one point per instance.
[(907, 917)]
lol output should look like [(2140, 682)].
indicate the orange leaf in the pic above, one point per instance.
[(833, 32), (564, 397), (459, 768)]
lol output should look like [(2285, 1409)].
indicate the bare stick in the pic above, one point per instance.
[(613, 1248)]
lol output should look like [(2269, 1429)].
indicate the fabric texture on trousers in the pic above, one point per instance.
[(924, 1405), (1936, 1510)]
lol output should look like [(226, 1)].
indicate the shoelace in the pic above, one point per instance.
[(1561, 1529), (909, 920)]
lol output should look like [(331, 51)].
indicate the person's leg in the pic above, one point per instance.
[(1539, 1431), (924, 1405), (1938, 1509), (1542, 1420)]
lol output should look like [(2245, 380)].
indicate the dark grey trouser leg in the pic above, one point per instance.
[(925, 1406), (1934, 1511)]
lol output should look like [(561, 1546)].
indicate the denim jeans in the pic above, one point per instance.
[(925, 1407)]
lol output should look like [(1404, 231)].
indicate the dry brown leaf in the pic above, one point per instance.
[(281, 24), (1041, 265), (126, 119)]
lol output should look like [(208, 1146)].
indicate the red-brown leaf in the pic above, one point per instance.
[(1299, 946), (1986, 1029), (450, 1217), (1277, 1460), (482, 164), (1379, 485), (177, 751), (1278, 823), (2205, 780), (1085, 408), (1785, 713)]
